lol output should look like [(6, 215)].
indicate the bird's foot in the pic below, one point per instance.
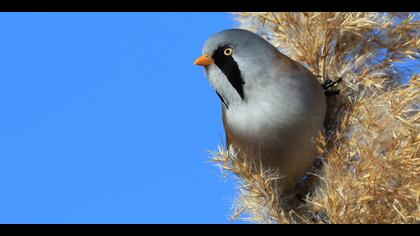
[(328, 84)]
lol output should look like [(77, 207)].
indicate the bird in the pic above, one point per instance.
[(273, 108)]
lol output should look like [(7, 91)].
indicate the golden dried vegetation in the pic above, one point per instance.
[(371, 166)]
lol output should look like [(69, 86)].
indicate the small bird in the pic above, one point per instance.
[(272, 107)]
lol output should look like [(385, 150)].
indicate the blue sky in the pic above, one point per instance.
[(104, 119)]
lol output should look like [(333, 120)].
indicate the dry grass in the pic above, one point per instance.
[(371, 171)]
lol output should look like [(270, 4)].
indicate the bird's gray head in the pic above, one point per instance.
[(235, 60)]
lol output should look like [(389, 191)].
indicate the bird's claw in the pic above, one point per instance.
[(329, 84)]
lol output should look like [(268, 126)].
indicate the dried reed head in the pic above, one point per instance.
[(370, 147)]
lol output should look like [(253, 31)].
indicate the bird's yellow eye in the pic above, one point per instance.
[(228, 51)]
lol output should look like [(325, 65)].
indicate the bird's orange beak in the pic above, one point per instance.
[(203, 60)]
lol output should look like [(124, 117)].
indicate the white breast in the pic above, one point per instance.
[(280, 115)]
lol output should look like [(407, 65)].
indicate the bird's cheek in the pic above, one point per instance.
[(210, 72)]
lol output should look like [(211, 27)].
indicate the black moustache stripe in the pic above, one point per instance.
[(230, 68)]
